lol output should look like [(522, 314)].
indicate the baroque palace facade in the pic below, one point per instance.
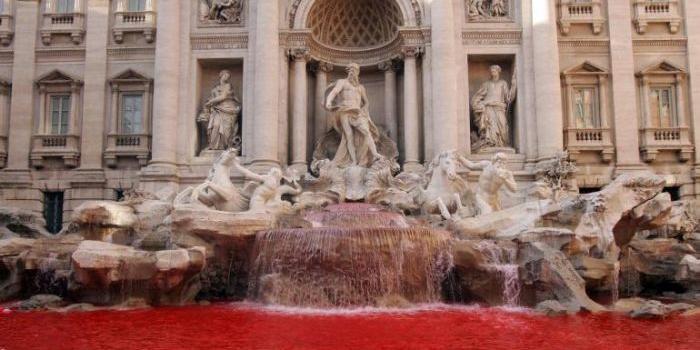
[(98, 97)]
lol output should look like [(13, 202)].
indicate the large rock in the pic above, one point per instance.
[(649, 309), (651, 215), (15, 222), (689, 272), (549, 275), (31, 266), (658, 257), (106, 273)]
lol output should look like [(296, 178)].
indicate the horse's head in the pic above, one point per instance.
[(446, 162), (228, 157)]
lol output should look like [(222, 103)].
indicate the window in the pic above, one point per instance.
[(53, 211), (131, 113), (136, 5), (586, 108), (60, 114), (65, 6), (661, 107), (2, 6)]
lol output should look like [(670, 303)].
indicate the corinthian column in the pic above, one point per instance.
[(444, 80), (390, 117), (320, 116), (411, 121), (166, 90), (266, 85), (550, 135), (300, 116)]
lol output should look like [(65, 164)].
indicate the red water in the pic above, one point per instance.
[(249, 327)]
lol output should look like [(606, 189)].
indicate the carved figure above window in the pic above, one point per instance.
[(222, 11), (488, 10)]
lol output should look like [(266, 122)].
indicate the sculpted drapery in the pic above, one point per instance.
[(490, 105)]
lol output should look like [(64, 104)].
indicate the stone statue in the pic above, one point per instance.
[(222, 11), (495, 176), (491, 105), (218, 191), (269, 189), (347, 100), (487, 9), (219, 117)]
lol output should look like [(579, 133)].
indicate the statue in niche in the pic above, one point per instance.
[(219, 117), (347, 100), (222, 11), (487, 9), (491, 106), (494, 176)]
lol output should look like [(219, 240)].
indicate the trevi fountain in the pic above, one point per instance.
[(364, 238)]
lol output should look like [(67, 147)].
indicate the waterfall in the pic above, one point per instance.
[(502, 260), (349, 266)]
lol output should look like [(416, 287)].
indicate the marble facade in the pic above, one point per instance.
[(612, 82)]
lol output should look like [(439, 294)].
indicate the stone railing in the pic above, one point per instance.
[(654, 140), (72, 24), (134, 22), (6, 28), (64, 147), (576, 12), (592, 140), (656, 11), (127, 145)]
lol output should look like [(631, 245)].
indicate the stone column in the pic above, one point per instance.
[(390, 108), (444, 79), (93, 125), (300, 115), (321, 125), (548, 104), (166, 91), (692, 13), (411, 121), (23, 75), (266, 81), (624, 92)]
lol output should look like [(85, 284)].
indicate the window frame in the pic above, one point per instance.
[(596, 117), (121, 117), (64, 114)]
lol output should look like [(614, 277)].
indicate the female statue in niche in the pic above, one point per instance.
[(491, 104), (219, 116)]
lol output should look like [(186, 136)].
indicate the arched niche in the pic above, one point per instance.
[(411, 10)]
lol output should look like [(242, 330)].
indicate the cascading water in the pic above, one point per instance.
[(353, 256), (502, 260)]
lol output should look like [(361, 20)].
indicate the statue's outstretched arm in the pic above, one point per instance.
[(249, 174), (473, 165)]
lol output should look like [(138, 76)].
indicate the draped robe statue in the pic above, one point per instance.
[(220, 116), (490, 105)]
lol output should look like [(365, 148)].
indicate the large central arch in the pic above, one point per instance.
[(363, 31), (298, 14)]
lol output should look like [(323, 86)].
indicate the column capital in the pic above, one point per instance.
[(320, 66), (299, 54), (411, 51), (390, 65)]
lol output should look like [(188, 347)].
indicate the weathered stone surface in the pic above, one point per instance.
[(105, 213), (550, 275), (649, 309), (689, 271), (506, 223), (15, 222), (42, 301), (658, 257), (650, 215), (106, 273), (29, 266), (555, 308)]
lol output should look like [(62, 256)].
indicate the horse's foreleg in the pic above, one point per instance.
[(443, 209)]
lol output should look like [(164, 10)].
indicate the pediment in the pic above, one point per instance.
[(662, 67), (130, 75), (585, 68), (57, 77)]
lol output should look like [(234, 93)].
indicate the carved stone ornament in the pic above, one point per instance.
[(488, 10), (222, 11)]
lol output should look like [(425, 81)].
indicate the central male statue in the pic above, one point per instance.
[(347, 100)]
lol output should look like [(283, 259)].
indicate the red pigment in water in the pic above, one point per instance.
[(249, 327)]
